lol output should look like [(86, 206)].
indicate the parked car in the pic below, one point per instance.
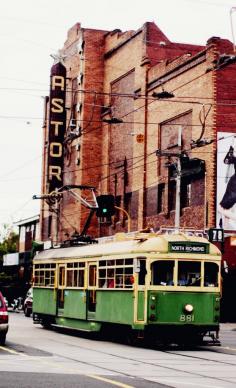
[(6, 301), (28, 303), (3, 320)]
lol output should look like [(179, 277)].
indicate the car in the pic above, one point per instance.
[(28, 303), (3, 320), (6, 301)]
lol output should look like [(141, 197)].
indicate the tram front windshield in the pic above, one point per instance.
[(163, 272), (188, 273)]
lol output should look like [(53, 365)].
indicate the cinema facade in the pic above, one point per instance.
[(132, 114)]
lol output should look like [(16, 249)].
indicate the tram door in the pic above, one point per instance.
[(140, 292), (61, 287), (92, 286)]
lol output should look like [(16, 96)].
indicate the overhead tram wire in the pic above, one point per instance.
[(125, 95), (113, 94), (131, 95), (148, 103), (105, 164), (94, 166)]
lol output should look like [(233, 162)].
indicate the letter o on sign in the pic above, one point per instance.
[(55, 150)]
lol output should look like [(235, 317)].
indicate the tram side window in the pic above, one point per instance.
[(162, 273), (189, 273), (116, 273), (75, 275), (44, 275), (211, 271)]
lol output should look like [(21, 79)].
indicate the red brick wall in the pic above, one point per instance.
[(136, 61)]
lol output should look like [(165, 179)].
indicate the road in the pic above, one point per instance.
[(36, 357)]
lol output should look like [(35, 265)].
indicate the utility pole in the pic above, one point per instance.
[(233, 9), (184, 166), (179, 155), (178, 183)]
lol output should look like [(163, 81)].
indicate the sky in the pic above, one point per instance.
[(30, 31)]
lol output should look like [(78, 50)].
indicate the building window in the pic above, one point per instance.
[(172, 195), (160, 197), (185, 197), (49, 226)]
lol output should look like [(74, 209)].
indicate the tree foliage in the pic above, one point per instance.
[(9, 242)]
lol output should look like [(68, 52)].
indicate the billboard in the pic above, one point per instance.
[(57, 126), (226, 180), (11, 259)]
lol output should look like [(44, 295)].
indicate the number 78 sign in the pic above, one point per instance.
[(216, 235)]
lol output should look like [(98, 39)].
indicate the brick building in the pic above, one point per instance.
[(127, 95)]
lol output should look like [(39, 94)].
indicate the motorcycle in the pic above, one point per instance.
[(17, 304)]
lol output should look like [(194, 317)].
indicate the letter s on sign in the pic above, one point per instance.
[(57, 105)]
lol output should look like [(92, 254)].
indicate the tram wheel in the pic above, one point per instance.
[(194, 340), (132, 337), (46, 324)]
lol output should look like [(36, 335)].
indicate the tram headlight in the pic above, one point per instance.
[(188, 308)]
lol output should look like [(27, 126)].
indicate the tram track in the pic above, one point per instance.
[(171, 366), (153, 364)]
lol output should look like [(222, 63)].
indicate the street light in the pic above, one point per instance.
[(163, 94), (113, 120)]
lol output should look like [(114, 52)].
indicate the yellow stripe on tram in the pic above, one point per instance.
[(117, 383)]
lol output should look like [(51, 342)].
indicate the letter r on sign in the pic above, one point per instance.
[(55, 171)]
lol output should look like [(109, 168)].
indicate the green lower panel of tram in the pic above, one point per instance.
[(75, 304), (45, 301), (110, 306), (115, 307), (78, 324), (178, 308), (164, 308)]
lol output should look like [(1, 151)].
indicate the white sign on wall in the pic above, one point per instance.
[(11, 259), (226, 180)]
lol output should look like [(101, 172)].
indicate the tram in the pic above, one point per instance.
[(165, 287)]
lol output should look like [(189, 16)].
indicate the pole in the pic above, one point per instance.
[(127, 214), (178, 184), (231, 24)]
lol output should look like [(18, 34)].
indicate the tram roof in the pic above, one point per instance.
[(140, 244)]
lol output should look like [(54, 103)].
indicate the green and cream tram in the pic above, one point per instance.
[(164, 286)]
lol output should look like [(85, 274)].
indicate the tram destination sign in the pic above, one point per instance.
[(186, 247)]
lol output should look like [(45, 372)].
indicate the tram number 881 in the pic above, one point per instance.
[(186, 318)]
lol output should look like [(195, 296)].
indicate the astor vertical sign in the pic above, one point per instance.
[(57, 125)]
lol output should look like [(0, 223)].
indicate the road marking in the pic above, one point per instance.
[(188, 383), (8, 350), (12, 351), (227, 348), (117, 383)]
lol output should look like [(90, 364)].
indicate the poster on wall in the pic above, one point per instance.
[(226, 180)]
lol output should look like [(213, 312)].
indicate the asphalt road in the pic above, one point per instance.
[(34, 357)]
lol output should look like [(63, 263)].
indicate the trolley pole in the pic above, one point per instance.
[(178, 184), (127, 215)]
